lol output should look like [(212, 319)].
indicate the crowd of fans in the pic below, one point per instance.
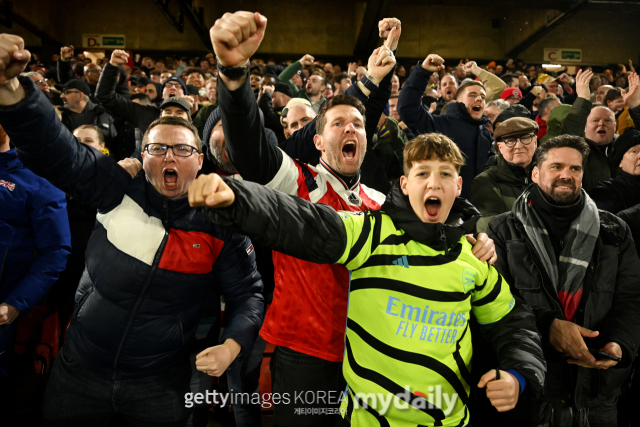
[(98, 157)]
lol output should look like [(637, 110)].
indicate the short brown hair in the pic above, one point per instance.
[(570, 141), (431, 145), (468, 84), (334, 101), (173, 121)]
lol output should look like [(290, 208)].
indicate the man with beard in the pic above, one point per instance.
[(464, 121), (555, 239), (79, 110), (139, 116)]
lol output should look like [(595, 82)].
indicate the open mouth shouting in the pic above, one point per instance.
[(349, 151), (170, 180), (477, 108), (432, 206)]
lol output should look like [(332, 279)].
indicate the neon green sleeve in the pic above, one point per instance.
[(492, 298), (358, 226)]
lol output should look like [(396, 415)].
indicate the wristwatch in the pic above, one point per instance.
[(234, 73), (368, 83)]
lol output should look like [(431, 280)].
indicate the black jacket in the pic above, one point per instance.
[(150, 260), (471, 136), (272, 116), (92, 114), (138, 115), (632, 217), (617, 194), (610, 304)]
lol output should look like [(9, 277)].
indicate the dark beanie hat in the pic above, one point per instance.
[(284, 88), (511, 112), (175, 79), (212, 120), (629, 139)]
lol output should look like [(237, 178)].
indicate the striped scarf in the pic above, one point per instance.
[(567, 274)]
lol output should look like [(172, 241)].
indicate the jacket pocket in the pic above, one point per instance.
[(522, 267)]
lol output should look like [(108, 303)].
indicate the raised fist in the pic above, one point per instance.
[(119, 57), (307, 60), (470, 67), (66, 53), (433, 63), (384, 27), (236, 37), (13, 57)]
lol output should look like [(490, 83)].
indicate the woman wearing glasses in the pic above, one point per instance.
[(496, 189)]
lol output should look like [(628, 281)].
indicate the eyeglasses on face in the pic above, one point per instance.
[(511, 141), (69, 92), (180, 150)]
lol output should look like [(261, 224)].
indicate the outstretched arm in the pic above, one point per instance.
[(291, 225), (410, 107), (235, 39)]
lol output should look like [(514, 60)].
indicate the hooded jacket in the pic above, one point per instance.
[(150, 260), (392, 255), (471, 136)]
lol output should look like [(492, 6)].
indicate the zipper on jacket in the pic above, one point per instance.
[(165, 212), (443, 237), (140, 298)]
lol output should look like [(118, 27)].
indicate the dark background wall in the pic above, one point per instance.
[(481, 30)]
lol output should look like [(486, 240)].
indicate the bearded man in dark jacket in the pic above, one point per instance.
[(577, 267)]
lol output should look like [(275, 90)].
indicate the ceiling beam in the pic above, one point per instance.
[(570, 12)]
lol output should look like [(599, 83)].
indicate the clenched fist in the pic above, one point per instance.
[(13, 57), (210, 191), (215, 360), (307, 60), (66, 53), (237, 36), (119, 57), (433, 63), (384, 27)]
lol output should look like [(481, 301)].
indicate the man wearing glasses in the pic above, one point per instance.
[(151, 261), (41, 82), (495, 190)]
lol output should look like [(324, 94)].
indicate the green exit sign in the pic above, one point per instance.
[(113, 41), (103, 40), (572, 55)]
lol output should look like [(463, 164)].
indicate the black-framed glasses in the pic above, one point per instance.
[(180, 150), (68, 92), (41, 81), (525, 140)]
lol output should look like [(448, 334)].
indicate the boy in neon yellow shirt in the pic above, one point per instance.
[(414, 284)]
